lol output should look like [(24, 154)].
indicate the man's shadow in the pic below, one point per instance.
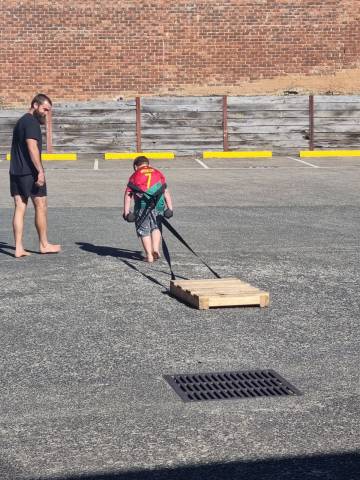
[(4, 245)]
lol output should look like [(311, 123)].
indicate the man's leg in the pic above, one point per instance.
[(40, 205), (156, 239), (18, 225), (147, 245)]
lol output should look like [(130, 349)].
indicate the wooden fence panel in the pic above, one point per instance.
[(94, 127), (186, 125), (337, 122), (268, 123), (189, 125)]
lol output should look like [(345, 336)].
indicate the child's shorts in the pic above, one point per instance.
[(148, 223)]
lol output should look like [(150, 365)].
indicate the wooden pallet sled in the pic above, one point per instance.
[(218, 292)]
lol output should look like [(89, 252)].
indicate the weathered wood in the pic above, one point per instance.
[(86, 114), (337, 99), (267, 129), (267, 103), (95, 105), (204, 294), (184, 131), (267, 114), (262, 122), (188, 125)]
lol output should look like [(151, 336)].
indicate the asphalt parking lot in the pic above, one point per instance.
[(88, 334)]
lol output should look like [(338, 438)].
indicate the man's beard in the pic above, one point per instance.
[(40, 118)]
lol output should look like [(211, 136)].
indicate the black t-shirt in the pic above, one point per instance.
[(26, 127)]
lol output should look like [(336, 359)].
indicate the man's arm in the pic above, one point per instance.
[(36, 159)]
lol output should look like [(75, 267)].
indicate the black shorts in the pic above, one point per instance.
[(24, 185)]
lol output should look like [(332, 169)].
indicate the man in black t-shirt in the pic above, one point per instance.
[(27, 177)]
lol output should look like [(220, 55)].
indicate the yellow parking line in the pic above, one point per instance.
[(329, 153)]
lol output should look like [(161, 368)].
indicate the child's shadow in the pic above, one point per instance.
[(105, 251), (6, 246)]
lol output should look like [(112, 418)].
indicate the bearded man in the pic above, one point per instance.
[(27, 176)]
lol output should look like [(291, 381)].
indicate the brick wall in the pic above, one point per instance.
[(105, 49)]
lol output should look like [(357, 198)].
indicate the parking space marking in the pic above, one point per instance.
[(96, 164), (302, 161), (200, 162)]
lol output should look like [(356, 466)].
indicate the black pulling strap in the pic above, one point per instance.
[(180, 238), (151, 200)]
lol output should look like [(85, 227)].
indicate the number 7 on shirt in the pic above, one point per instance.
[(148, 175)]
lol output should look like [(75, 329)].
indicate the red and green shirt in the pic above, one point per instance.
[(149, 180)]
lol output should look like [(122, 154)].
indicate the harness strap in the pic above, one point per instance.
[(149, 198), (180, 238), (163, 221)]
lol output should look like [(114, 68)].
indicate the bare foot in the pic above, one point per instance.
[(156, 255), (50, 248), (149, 259), (21, 253)]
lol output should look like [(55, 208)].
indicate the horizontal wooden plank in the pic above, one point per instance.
[(267, 103), (84, 114), (180, 115), (175, 101), (266, 137), (268, 114), (185, 130), (233, 300), (190, 145), (348, 136), (337, 129), (237, 154), (95, 105), (175, 123), (207, 281), (336, 106), (334, 122), (258, 145), (339, 145), (337, 99), (14, 114), (337, 114), (92, 136), (266, 129), (260, 122)]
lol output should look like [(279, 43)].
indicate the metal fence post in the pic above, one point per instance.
[(138, 124), (311, 122), (49, 139), (225, 124)]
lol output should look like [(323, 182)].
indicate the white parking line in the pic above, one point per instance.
[(202, 164), (96, 164), (302, 161)]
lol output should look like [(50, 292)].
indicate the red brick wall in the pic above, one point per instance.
[(105, 49)]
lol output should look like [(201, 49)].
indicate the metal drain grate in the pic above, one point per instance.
[(230, 385)]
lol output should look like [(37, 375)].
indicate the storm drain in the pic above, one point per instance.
[(230, 385)]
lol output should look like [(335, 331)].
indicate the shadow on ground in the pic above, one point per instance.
[(4, 247), (105, 251), (342, 466)]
